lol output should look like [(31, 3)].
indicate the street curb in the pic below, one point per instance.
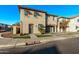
[(5, 46)]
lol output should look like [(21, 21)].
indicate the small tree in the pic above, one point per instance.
[(16, 24), (64, 24), (41, 28)]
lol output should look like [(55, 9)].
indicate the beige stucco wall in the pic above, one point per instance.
[(72, 24), (60, 19), (14, 30), (24, 22), (52, 20), (30, 19), (36, 20)]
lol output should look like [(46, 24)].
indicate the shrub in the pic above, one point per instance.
[(41, 28), (43, 35), (22, 36)]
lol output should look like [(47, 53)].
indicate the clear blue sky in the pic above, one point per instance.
[(9, 14)]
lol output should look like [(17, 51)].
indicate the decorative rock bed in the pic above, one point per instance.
[(32, 42)]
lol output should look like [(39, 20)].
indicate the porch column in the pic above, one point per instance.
[(55, 28), (1, 35), (52, 29), (58, 28), (61, 30), (14, 30)]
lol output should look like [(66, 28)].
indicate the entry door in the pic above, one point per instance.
[(30, 28), (49, 29)]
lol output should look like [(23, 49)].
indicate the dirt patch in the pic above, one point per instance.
[(7, 34)]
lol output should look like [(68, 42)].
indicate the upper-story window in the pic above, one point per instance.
[(57, 20), (78, 20), (53, 18), (77, 27), (36, 14), (27, 12)]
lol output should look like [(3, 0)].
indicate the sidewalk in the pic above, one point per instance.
[(9, 42)]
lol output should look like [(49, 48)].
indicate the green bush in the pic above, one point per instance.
[(41, 28), (22, 36), (43, 35)]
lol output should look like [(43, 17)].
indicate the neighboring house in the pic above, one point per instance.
[(74, 24), (4, 27), (51, 23), (63, 24)]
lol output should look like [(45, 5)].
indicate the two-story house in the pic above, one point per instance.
[(31, 20), (37, 21)]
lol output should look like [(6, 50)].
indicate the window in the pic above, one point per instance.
[(78, 20), (36, 14), (77, 27), (57, 20), (53, 18), (29, 12), (26, 13)]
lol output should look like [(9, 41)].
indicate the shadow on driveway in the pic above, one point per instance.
[(49, 50)]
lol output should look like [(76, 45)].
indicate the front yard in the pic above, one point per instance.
[(21, 36), (44, 35), (27, 36)]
